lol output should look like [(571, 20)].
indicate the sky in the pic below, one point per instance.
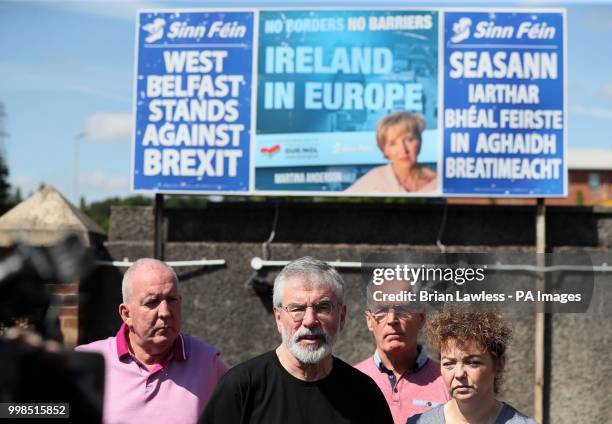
[(67, 73)]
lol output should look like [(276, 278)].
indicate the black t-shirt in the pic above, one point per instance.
[(262, 391)]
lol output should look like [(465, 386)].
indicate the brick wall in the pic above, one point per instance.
[(65, 300)]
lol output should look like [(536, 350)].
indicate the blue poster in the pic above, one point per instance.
[(326, 79), (193, 101), (504, 95)]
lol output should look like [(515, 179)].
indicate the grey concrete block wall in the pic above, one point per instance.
[(385, 224), (581, 391), (219, 308), (134, 223), (581, 348)]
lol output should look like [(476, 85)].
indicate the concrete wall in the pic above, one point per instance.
[(368, 223), (219, 307)]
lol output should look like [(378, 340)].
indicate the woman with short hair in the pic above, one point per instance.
[(472, 348), (399, 137)]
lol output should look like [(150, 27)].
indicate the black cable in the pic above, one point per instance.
[(442, 227), (256, 281), (265, 247)]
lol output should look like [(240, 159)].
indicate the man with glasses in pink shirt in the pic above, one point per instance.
[(154, 373), (409, 380)]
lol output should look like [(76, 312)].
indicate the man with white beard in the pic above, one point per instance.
[(300, 381)]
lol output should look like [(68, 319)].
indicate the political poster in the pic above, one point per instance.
[(394, 102), (504, 104), (193, 101), (325, 79)]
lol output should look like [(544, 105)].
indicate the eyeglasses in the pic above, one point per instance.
[(400, 311), (297, 311)]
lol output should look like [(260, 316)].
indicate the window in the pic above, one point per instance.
[(594, 181)]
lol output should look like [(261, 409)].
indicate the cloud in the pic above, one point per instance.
[(55, 78), (597, 17), (108, 127), (606, 91), (84, 89), (593, 112), (102, 180)]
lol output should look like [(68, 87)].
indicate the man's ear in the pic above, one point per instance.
[(369, 322), (342, 316), (422, 321), (278, 320), (124, 313)]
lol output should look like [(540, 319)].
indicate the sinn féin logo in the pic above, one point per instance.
[(155, 30), (461, 28)]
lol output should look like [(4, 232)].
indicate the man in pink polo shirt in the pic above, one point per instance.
[(154, 373), (410, 381)]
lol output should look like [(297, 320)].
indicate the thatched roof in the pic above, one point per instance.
[(45, 218)]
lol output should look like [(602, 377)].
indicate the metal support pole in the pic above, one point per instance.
[(158, 243), (540, 317)]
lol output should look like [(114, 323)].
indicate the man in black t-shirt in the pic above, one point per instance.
[(300, 381)]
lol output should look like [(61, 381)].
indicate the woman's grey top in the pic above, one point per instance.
[(507, 415)]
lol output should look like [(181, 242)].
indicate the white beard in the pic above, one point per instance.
[(309, 354)]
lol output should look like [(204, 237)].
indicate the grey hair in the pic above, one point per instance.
[(313, 272), (126, 284)]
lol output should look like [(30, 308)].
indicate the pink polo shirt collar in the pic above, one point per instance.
[(178, 351)]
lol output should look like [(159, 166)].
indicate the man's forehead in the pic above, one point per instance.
[(300, 288), (411, 307), (390, 303), (153, 288), (148, 280)]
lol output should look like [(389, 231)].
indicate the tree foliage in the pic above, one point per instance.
[(5, 187), (100, 211)]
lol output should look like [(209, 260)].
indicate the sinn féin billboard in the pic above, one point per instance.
[(414, 102)]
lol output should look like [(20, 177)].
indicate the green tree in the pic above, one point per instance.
[(17, 198), (100, 211), (5, 187), (4, 172)]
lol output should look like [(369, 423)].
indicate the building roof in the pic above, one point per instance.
[(590, 159), (46, 218)]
